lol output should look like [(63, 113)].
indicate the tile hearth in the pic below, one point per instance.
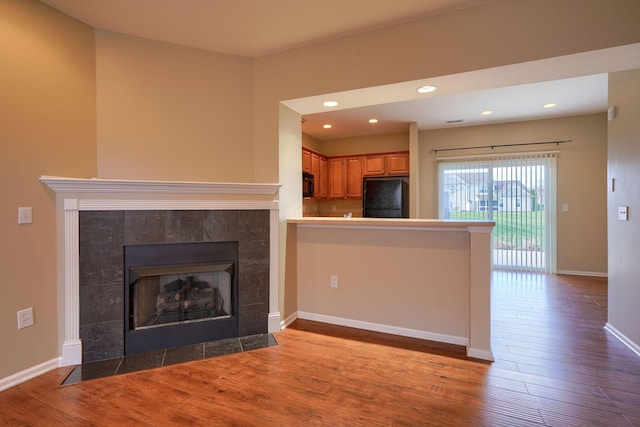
[(170, 356)]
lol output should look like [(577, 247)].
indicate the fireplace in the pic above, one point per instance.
[(179, 294), (98, 217)]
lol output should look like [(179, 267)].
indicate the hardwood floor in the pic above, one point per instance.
[(555, 366)]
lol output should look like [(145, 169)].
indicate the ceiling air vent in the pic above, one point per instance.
[(454, 121)]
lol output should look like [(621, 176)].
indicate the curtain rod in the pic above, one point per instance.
[(436, 150)]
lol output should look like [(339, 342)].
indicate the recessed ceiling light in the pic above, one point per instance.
[(486, 112), (549, 105), (330, 103), (426, 89), (327, 126), (373, 120)]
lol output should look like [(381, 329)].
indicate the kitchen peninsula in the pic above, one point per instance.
[(427, 279)]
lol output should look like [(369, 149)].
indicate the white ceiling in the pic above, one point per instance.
[(255, 28)]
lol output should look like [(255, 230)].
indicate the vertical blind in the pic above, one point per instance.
[(516, 191)]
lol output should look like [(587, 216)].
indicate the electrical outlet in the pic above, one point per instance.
[(334, 281), (25, 318)]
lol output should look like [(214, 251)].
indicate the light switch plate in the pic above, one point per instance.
[(25, 215), (623, 213)]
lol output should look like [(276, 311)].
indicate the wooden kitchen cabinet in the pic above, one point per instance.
[(374, 164), (306, 161), (386, 164), (345, 177), (341, 177), (337, 177), (354, 177), (319, 171), (398, 164)]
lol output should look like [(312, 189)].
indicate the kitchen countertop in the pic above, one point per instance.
[(392, 223)]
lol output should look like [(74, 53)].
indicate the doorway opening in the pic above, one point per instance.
[(518, 193)]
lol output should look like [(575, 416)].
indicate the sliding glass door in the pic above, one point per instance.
[(515, 191)]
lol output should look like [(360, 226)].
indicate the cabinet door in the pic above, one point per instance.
[(374, 164), (354, 177), (315, 170), (306, 161), (321, 181), (398, 164), (337, 177)]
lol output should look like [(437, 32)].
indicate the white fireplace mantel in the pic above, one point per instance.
[(81, 194), (99, 185)]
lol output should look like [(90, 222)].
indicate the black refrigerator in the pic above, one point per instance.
[(385, 197)]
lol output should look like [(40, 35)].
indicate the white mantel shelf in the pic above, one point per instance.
[(98, 185)]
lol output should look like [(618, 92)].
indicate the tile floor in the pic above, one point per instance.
[(170, 356)]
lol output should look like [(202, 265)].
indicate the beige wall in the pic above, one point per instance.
[(383, 143), (581, 177), (417, 280), (48, 127), (624, 168), (168, 112)]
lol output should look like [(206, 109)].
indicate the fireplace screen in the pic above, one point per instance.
[(179, 294)]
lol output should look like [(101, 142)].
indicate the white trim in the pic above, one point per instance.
[(98, 185), (71, 348), (274, 322), (387, 329), (71, 351), (289, 320), (152, 205), (583, 273), (622, 338), (27, 374), (413, 333), (480, 354)]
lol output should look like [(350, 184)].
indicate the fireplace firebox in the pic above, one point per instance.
[(180, 294)]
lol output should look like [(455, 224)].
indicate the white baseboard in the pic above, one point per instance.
[(289, 320), (480, 354), (28, 374), (387, 329), (582, 273), (623, 338)]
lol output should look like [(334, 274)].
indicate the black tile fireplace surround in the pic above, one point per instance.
[(103, 236)]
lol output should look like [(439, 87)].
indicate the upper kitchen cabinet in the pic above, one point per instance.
[(354, 177), (319, 171), (345, 177), (306, 161), (386, 164), (316, 164), (337, 171)]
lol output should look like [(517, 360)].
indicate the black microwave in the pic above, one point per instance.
[(307, 184)]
